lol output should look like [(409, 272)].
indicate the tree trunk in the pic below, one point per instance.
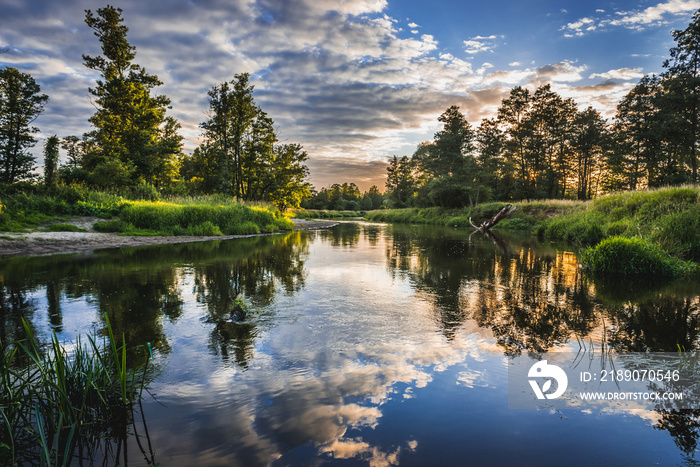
[(489, 223)]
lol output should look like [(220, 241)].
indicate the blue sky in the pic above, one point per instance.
[(353, 81)]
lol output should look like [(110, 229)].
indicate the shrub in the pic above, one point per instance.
[(60, 227), (114, 225), (633, 256), (679, 233)]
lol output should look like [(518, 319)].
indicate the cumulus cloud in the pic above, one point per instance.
[(479, 44), (338, 76), (654, 15), (624, 74)]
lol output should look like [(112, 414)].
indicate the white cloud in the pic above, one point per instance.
[(624, 74), (478, 44), (655, 15), (413, 25), (474, 47)]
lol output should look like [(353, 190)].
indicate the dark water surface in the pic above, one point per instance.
[(375, 345)]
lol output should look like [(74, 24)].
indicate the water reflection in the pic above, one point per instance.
[(360, 325)]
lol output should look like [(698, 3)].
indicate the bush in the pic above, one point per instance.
[(114, 225), (679, 233), (145, 191), (60, 227), (581, 228), (633, 256)]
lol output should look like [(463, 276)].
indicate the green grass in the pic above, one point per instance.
[(201, 219), (61, 227), (25, 207), (324, 214), (58, 402), (668, 217), (634, 257), (523, 219)]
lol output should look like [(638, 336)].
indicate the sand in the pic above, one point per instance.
[(61, 242)]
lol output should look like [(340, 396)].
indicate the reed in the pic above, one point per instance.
[(60, 404)]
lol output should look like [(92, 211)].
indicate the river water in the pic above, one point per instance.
[(373, 345)]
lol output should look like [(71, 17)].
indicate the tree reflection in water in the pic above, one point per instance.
[(529, 298)]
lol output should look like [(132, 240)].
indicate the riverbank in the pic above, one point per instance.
[(42, 242), (657, 228)]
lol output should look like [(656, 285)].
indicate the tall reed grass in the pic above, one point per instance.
[(61, 405)]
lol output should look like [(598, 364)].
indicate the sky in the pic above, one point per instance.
[(353, 81)]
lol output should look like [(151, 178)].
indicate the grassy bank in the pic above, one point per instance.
[(25, 207), (325, 214), (526, 217), (669, 218), (650, 232)]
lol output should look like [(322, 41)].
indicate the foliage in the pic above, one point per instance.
[(345, 197), (20, 105), (58, 404), (133, 139), (240, 155), (166, 218), (634, 256), (51, 159), (323, 214), (63, 227)]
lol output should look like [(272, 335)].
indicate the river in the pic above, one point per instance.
[(372, 345)]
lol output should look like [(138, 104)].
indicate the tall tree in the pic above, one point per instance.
[(636, 135), (400, 181), (51, 160), (512, 116), (682, 78), (20, 104), (588, 144), (128, 118), (289, 185), (449, 162), (232, 113), (494, 174)]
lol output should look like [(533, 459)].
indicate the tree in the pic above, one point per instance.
[(400, 181), (588, 145), (494, 174), (51, 160), (71, 144), (683, 81), (128, 118), (232, 113), (511, 115), (289, 185), (240, 155), (636, 134), (448, 163), (372, 199), (20, 105)]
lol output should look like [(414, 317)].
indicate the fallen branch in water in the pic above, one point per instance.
[(488, 224)]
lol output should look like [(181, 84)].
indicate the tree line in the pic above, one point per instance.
[(135, 145), (540, 145), (345, 197)]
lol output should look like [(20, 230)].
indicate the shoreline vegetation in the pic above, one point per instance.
[(654, 232), (26, 206), (35, 219)]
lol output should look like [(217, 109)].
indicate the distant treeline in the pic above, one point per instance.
[(345, 197), (541, 145), (135, 146)]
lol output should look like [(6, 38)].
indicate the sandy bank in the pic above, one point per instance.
[(60, 242)]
